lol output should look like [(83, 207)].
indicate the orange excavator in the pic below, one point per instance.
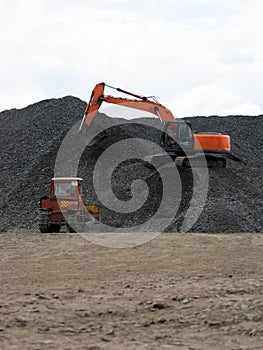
[(177, 137)]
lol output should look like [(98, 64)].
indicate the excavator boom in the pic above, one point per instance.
[(141, 103)]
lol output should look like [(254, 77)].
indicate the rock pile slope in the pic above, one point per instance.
[(30, 139)]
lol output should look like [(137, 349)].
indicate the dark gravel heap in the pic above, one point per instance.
[(31, 137)]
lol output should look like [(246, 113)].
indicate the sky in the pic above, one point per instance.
[(198, 57)]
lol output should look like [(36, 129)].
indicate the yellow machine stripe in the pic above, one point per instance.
[(64, 204)]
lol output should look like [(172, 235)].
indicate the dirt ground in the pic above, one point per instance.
[(179, 291)]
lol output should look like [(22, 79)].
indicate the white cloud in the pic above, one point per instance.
[(175, 49), (237, 57), (210, 98)]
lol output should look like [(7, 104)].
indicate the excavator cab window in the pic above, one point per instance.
[(185, 135)]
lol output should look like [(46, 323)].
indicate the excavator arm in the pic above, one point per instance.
[(140, 102)]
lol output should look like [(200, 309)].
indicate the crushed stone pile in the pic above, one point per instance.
[(31, 138)]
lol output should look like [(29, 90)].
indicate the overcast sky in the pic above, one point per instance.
[(198, 57)]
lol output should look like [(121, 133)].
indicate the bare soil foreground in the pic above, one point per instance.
[(179, 291)]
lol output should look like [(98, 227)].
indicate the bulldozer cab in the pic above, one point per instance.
[(67, 187)]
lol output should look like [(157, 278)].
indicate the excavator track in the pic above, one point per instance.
[(210, 160), (198, 161)]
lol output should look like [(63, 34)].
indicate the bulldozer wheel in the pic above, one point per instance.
[(71, 218), (54, 228), (44, 229), (75, 226), (71, 230), (43, 222)]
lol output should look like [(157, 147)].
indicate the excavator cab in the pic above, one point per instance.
[(177, 136)]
